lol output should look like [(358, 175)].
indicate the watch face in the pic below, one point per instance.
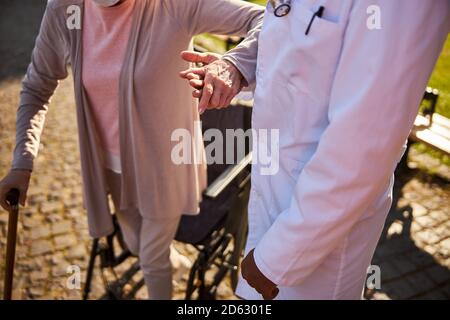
[(282, 10)]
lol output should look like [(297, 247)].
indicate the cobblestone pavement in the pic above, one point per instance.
[(414, 249), (413, 254)]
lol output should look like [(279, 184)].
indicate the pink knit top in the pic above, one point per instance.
[(105, 37)]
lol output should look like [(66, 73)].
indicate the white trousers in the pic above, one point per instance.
[(150, 240)]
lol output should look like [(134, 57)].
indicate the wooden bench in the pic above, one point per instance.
[(430, 128), (435, 134)]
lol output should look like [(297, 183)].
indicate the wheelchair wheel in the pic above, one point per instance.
[(220, 259), (213, 258), (112, 251)]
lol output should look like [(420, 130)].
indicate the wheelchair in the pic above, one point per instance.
[(218, 232)]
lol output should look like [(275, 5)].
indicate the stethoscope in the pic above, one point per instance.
[(281, 7)]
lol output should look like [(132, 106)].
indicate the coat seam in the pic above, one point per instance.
[(341, 269)]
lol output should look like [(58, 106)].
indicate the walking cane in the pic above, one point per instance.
[(12, 197)]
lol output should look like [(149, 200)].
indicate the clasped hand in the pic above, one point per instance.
[(215, 83)]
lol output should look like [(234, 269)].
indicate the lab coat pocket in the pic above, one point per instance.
[(322, 43), (310, 79), (318, 25)]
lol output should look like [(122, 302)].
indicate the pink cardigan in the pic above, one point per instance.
[(153, 101)]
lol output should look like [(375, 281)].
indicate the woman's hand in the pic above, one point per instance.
[(216, 83), (16, 179)]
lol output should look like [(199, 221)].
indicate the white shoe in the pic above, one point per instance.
[(180, 263)]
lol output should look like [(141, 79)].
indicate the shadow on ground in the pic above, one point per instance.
[(412, 252)]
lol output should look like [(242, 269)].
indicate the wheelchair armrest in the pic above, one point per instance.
[(227, 177)]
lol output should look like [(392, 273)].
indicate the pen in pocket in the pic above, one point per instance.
[(318, 13)]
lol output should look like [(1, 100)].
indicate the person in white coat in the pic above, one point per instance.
[(342, 84)]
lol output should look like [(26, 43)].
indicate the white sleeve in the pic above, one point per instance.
[(380, 79)]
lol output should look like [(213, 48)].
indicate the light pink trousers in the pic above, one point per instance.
[(150, 240)]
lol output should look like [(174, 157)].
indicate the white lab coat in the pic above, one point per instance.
[(344, 99)]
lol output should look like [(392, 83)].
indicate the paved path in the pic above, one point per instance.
[(414, 252)]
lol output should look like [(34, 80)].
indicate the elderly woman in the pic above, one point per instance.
[(125, 60)]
